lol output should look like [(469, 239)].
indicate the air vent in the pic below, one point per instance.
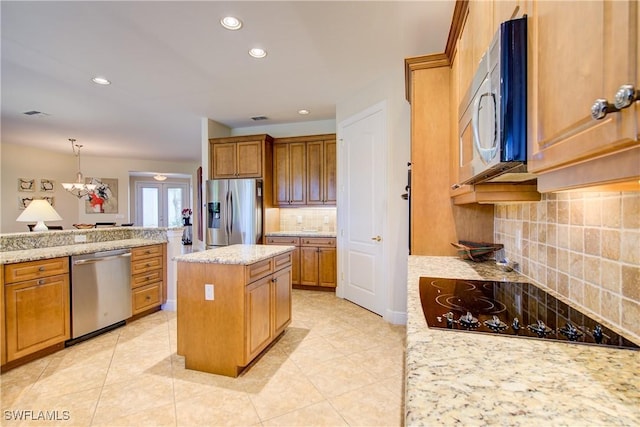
[(258, 118), (35, 113)]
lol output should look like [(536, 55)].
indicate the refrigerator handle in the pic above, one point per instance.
[(226, 225), (231, 209)]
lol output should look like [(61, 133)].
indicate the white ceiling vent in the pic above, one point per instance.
[(258, 118)]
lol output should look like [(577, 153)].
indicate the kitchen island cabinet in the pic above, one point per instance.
[(233, 302), (37, 312)]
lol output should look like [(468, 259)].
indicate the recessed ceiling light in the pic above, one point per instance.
[(231, 23), (256, 52), (303, 112), (100, 80)]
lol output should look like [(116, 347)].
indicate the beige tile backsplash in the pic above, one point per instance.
[(584, 245), (308, 219)]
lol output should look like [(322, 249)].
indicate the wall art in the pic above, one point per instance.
[(49, 199), (26, 184), (47, 185), (104, 199), (23, 202)]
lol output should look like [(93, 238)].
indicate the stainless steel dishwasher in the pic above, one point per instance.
[(100, 291)]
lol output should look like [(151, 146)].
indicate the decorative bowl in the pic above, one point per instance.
[(84, 226)]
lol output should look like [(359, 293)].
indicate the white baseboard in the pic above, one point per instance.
[(396, 317), (170, 305)]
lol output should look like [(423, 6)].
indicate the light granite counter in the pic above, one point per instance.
[(235, 254), (457, 378)]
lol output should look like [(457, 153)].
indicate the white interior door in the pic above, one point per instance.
[(362, 140)]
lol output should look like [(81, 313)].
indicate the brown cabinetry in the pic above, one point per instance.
[(295, 255), (304, 171), (289, 173), (248, 307), (36, 304), (148, 277), (576, 59), (318, 261), (240, 157)]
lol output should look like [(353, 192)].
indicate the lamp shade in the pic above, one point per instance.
[(39, 211)]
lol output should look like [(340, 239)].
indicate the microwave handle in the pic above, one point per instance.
[(487, 154)]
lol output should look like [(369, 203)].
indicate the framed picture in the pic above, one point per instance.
[(104, 199), (26, 184), (49, 199), (23, 201), (47, 185)]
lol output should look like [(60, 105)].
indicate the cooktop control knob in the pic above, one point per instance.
[(598, 334), (515, 324), (540, 329), (571, 332)]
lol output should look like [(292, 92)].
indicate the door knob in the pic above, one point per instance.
[(377, 238), (625, 96)]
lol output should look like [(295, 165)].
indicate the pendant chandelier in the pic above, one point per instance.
[(78, 188)]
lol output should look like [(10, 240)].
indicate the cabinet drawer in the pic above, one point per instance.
[(146, 265), (283, 240), (322, 242), (146, 297), (35, 269), (144, 252), (258, 270), (146, 278), (282, 261)]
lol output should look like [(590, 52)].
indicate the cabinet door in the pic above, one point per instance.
[(258, 315), (224, 160), (315, 159), (327, 267), (309, 266), (249, 159), (281, 174), (298, 173), (281, 300), (579, 54), (329, 187), (37, 315)]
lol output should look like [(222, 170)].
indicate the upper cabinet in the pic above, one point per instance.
[(580, 54), (304, 171), (240, 157)]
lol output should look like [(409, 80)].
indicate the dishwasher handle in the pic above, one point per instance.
[(94, 260)]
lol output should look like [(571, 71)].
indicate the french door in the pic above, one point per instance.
[(161, 204)]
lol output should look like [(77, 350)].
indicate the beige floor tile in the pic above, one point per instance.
[(340, 375), (71, 378), (371, 405), (216, 409), (319, 414)]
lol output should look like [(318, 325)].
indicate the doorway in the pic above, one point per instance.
[(362, 170), (160, 204)]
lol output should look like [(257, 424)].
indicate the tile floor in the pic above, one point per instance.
[(336, 365)]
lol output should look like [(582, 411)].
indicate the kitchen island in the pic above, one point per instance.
[(458, 378), (233, 302)]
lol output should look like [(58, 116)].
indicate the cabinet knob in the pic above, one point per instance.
[(625, 96), (41, 282), (148, 297), (601, 108), (40, 268)]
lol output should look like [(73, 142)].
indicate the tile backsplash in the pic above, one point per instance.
[(308, 219), (583, 245)]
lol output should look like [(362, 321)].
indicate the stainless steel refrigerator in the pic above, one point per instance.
[(234, 212)]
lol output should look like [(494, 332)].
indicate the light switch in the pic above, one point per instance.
[(208, 292)]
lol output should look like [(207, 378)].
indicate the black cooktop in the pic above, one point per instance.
[(511, 309)]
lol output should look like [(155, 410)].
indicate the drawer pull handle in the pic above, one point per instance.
[(41, 268), (41, 282)]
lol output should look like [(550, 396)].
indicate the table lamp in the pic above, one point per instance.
[(39, 211)]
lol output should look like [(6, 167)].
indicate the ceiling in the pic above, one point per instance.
[(171, 63)]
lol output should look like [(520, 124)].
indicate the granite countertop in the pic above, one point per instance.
[(303, 233), (9, 257), (457, 378), (235, 254)]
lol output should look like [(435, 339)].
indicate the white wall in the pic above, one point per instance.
[(396, 234), (289, 129), (28, 162)]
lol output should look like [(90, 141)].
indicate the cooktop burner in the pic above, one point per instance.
[(509, 308)]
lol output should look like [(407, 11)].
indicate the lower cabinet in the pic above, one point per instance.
[(229, 313), (313, 260), (36, 304), (148, 278)]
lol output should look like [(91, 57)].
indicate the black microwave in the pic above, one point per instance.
[(493, 112)]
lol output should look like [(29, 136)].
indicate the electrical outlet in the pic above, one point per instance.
[(80, 238), (299, 219), (208, 292), (326, 219)]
